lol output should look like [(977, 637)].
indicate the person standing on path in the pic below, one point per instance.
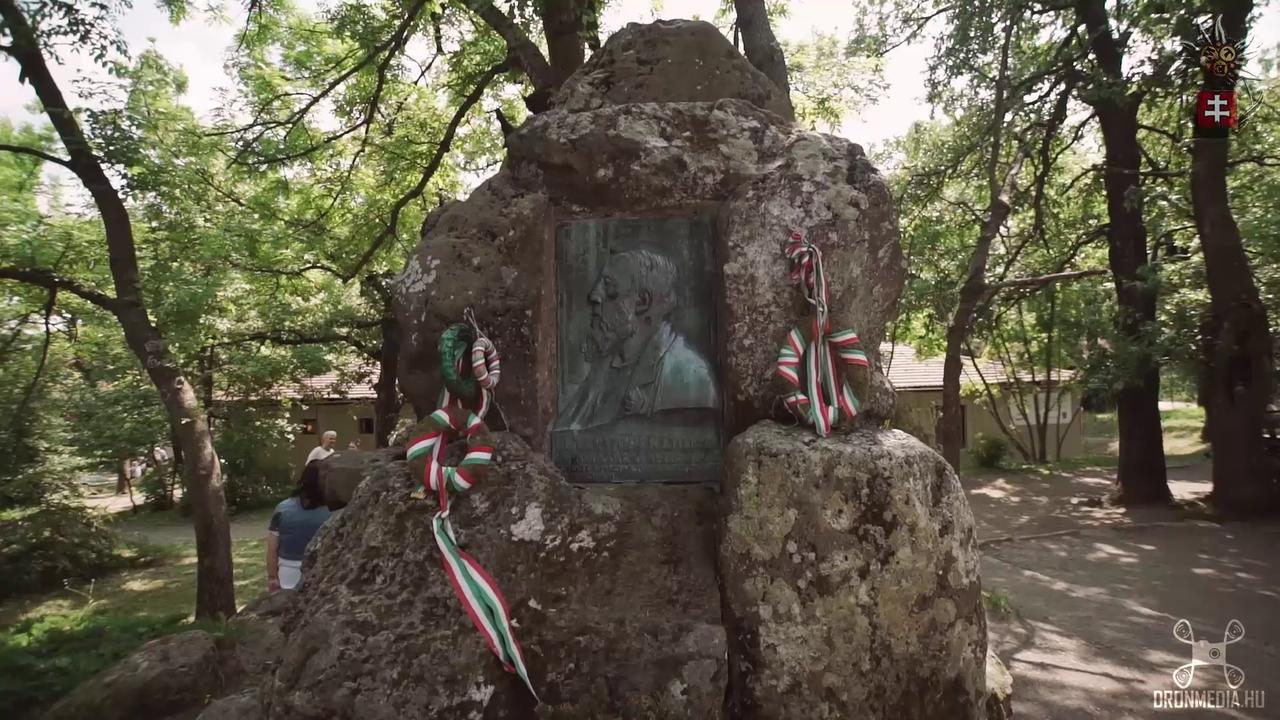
[(294, 523), (327, 442)]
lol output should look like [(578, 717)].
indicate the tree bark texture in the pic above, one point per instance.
[(761, 46), (1239, 359), (1141, 475), (562, 22), (215, 589)]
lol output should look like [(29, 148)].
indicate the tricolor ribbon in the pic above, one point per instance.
[(476, 590), (807, 361)]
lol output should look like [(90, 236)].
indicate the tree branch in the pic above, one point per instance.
[(442, 149), (21, 150), (19, 414), (391, 47), (51, 281), (920, 24), (521, 48), (296, 338), (1042, 280), (1260, 160)]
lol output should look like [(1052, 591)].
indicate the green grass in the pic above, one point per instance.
[(43, 658), (997, 601), (1182, 442), (51, 642)]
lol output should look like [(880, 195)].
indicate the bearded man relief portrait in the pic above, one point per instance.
[(637, 327)]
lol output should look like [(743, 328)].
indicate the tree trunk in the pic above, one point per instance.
[(1240, 361), (1206, 333), (1141, 474), (1051, 409), (760, 46), (215, 589), (178, 465), (950, 429), (566, 45), (386, 405), (205, 365), (974, 286), (122, 474)]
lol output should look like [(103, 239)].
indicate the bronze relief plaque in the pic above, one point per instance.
[(638, 395)]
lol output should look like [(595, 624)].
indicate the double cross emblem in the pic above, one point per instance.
[(1204, 652)]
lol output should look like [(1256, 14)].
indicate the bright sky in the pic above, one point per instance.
[(201, 43)]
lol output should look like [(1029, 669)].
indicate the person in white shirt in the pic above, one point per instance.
[(325, 448)]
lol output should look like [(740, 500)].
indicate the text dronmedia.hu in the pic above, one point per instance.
[(1203, 653)]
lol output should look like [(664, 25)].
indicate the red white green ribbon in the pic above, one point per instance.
[(819, 393), (476, 590)]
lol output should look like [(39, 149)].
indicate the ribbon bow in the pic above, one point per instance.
[(823, 396)]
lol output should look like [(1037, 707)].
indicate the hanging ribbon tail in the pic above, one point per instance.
[(474, 588), (482, 601)]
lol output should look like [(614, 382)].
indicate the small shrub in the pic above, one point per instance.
[(989, 452), (40, 548), (997, 602), (157, 486)]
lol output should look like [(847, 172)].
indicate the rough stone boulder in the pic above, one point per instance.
[(245, 705), (165, 677), (850, 574), (174, 676), (343, 471), (727, 157), (668, 61), (999, 704), (613, 593)]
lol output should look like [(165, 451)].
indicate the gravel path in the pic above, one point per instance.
[(1096, 591)]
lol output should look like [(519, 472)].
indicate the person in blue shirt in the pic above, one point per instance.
[(294, 523)]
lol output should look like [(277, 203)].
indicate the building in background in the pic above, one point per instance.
[(342, 403), (919, 385)]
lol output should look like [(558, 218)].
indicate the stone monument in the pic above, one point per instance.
[(666, 549)]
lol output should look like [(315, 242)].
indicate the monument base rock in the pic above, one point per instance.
[(613, 593), (849, 566)]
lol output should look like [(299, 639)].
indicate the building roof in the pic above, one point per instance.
[(350, 384), (909, 371)]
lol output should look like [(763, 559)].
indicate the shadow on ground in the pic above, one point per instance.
[(1090, 634), (1040, 501)]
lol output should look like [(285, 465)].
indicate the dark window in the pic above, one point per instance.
[(366, 426), (309, 426)]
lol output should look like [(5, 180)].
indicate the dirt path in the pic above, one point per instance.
[(1094, 602), (164, 528), (168, 529)]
